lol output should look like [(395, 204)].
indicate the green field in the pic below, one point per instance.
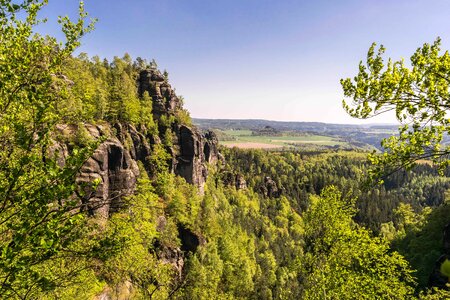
[(245, 139)]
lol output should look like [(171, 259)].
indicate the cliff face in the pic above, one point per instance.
[(114, 164), (191, 149)]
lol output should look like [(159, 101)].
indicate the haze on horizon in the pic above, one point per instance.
[(259, 59)]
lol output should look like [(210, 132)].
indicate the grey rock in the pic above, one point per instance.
[(270, 189), (237, 180), (196, 151)]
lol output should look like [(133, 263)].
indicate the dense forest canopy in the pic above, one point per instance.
[(263, 225)]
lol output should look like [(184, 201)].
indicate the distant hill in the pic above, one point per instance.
[(252, 124), (357, 135)]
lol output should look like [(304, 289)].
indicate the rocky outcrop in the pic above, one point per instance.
[(109, 174), (112, 171), (195, 151), (191, 149), (270, 189), (437, 279), (113, 166), (172, 255), (236, 180), (210, 147), (155, 84), (241, 184)]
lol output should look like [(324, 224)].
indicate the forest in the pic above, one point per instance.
[(108, 190)]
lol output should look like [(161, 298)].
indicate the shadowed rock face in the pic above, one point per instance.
[(189, 240), (210, 147), (191, 161), (112, 167), (114, 163), (236, 180), (191, 149), (196, 150), (164, 98)]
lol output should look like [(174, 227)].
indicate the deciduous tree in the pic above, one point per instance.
[(419, 95), (36, 208)]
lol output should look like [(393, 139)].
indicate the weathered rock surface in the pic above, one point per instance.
[(195, 152), (270, 188), (191, 149), (109, 174), (112, 171), (164, 98), (172, 256), (236, 180), (114, 164), (210, 148)]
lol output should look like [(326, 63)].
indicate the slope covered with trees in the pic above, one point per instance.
[(301, 226)]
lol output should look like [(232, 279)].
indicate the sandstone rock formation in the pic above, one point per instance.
[(270, 188), (191, 161), (112, 171), (109, 174), (236, 180), (191, 150)]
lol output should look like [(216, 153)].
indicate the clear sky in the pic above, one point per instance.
[(267, 59)]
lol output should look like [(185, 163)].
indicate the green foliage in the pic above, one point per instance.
[(419, 238), (419, 97), (87, 98), (37, 210), (342, 260), (145, 114), (124, 104), (136, 263), (100, 90), (435, 294), (301, 174)]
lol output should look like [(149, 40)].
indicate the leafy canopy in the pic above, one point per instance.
[(37, 219), (418, 94)]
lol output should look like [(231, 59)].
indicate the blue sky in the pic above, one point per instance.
[(268, 59)]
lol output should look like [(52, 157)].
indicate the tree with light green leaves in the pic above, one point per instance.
[(419, 95), (343, 261), (39, 219)]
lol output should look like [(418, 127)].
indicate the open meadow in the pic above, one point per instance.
[(245, 139)]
